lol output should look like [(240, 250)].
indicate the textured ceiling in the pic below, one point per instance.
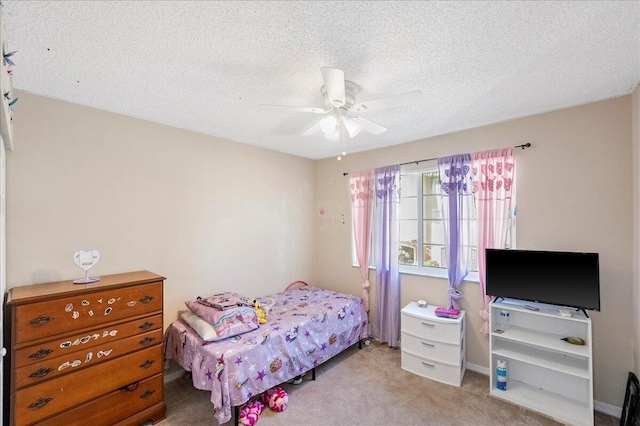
[(210, 66)]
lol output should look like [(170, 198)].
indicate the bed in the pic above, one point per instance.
[(305, 327)]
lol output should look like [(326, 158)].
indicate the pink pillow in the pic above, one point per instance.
[(229, 322)]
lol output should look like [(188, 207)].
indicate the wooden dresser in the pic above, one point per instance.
[(85, 354), (433, 347)]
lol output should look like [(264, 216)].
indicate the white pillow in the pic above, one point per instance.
[(203, 328)]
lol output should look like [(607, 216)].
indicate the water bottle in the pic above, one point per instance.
[(501, 373), (503, 320)]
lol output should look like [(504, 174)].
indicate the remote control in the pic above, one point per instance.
[(531, 308)]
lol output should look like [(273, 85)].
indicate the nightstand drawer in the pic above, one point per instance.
[(431, 349), (432, 329), (441, 372)]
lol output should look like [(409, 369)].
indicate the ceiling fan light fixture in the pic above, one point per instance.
[(352, 127), (328, 124)]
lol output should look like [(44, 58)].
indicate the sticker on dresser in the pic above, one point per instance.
[(100, 354), (68, 364)]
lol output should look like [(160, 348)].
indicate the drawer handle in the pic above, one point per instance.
[(40, 373), (428, 365), (41, 320), (428, 324), (147, 299), (148, 363), (130, 388), (41, 402), (431, 345), (147, 394), (146, 325), (146, 340), (40, 354)]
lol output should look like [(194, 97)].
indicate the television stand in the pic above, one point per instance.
[(544, 373)]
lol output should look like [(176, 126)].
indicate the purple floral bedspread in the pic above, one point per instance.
[(305, 327)]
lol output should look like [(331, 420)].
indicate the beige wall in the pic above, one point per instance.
[(636, 224), (574, 193), (206, 213)]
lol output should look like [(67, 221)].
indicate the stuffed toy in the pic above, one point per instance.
[(261, 315), (276, 399), (250, 412)]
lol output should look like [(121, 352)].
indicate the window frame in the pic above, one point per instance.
[(420, 269)]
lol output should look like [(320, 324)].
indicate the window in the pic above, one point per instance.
[(422, 245), (421, 249)]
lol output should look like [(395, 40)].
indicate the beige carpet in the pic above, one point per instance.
[(368, 387)]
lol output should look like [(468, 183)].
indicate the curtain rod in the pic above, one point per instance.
[(523, 146)]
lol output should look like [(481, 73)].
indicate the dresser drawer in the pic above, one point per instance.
[(53, 396), (435, 370), (111, 408), (49, 318), (431, 349), (80, 342), (432, 329), (45, 370)]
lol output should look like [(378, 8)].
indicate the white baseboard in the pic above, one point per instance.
[(602, 407), (478, 368), (609, 409)]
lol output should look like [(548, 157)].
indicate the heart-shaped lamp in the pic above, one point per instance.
[(85, 261)]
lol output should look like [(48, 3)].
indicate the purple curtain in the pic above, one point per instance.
[(457, 218), (386, 319)]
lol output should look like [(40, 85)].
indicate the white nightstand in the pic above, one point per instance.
[(432, 347)]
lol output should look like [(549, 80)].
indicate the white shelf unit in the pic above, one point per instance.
[(544, 373)]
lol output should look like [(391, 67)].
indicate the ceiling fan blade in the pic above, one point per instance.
[(311, 130), (297, 108), (369, 125), (334, 83), (401, 99), (352, 127)]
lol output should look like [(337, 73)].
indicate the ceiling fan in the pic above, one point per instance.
[(341, 109)]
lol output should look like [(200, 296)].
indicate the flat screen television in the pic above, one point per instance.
[(559, 278)]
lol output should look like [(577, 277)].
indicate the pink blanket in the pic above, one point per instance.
[(305, 327)]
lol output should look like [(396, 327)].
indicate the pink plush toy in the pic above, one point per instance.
[(250, 412), (276, 398)]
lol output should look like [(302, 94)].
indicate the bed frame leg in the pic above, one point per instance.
[(236, 414), (313, 374), (360, 344)]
